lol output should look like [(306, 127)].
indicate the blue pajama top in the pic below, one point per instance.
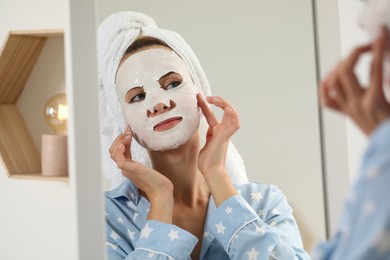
[(255, 224), (364, 230)]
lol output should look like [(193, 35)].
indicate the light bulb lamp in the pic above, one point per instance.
[(55, 146)]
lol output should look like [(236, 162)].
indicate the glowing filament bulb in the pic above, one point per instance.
[(56, 114)]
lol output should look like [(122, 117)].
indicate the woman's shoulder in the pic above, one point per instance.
[(269, 190), (260, 195)]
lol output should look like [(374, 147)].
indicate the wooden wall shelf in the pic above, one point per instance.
[(18, 57)]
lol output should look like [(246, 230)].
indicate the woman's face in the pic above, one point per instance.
[(158, 98), (374, 15)]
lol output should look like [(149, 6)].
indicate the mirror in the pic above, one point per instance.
[(261, 57)]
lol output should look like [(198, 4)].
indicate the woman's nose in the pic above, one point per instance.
[(161, 108)]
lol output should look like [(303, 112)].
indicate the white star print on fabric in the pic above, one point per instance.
[(228, 210), (173, 234), (256, 196), (383, 242), (220, 228), (269, 249), (114, 235), (261, 212), (119, 220), (135, 216), (206, 234), (145, 232), (260, 230), (131, 205), (112, 245), (275, 212), (131, 234), (252, 255), (132, 195), (150, 254)]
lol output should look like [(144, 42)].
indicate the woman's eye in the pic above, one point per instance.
[(138, 98), (173, 84)]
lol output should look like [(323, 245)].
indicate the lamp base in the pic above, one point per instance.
[(54, 155)]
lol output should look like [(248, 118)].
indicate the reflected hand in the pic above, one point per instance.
[(157, 187), (342, 91)]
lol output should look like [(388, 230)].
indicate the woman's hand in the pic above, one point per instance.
[(211, 161), (213, 154), (157, 187), (342, 91)]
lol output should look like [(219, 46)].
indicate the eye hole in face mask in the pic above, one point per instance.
[(134, 95), (170, 80)]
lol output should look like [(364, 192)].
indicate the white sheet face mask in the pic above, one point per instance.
[(158, 98), (373, 16)]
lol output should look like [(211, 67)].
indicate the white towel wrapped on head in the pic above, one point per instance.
[(115, 34)]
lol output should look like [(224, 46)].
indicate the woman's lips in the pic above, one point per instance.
[(167, 124)]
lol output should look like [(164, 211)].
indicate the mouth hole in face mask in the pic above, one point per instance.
[(167, 124)]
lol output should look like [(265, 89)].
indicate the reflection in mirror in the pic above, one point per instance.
[(151, 106)]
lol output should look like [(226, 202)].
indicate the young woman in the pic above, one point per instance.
[(183, 205)]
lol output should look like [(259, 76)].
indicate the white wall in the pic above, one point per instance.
[(351, 35), (37, 219), (335, 147), (260, 56)]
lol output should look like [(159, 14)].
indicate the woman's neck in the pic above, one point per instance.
[(181, 167)]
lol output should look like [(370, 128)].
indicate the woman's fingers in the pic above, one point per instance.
[(342, 87), (346, 74), (120, 148), (127, 143), (221, 103), (116, 143), (230, 122), (209, 115), (376, 89), (118, 156), (229, 112), (325, 97), (334, 90)]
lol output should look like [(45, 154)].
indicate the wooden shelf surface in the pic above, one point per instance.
[(39, 176), (18, 56)]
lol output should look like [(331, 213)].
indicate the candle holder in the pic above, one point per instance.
[(54, 156)]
